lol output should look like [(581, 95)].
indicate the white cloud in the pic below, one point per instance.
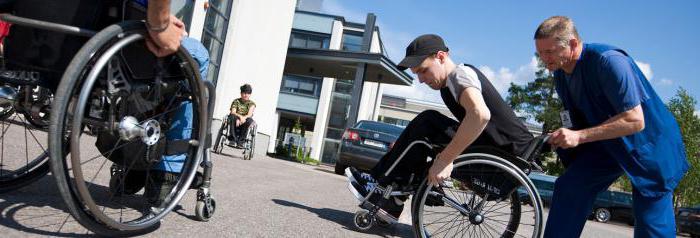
[(646, 69), (665, 82), (697, 113), (502, 78)]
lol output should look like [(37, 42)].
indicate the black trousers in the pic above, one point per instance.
[(243, 127), (430, 126)]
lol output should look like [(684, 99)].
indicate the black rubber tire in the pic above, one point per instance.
[(340, 168), (419, 200), (11, 183), (60, 158), (204, 212), (220, 138), (602, 215)]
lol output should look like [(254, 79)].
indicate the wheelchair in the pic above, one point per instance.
[(143, 109), (488, 194), (248, 145)]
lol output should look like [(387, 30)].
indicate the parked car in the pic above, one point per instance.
[(364, 144), (545, 187), (688, 220), (613, 204), (608, 204)]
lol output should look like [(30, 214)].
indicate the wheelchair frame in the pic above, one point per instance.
[(248, 147), (205, 203)]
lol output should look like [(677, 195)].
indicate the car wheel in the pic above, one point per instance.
[(602, 215), (340, 169)]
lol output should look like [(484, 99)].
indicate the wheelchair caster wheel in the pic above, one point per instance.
[(363, 220), (205, 208)]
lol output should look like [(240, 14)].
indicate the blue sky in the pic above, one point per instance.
[(496, 36)]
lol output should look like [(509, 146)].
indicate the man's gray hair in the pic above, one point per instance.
[(560, 28)]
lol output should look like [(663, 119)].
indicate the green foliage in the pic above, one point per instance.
[(538, 100), (682, 105)]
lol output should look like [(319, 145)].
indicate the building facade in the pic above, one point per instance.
[(315, 70)]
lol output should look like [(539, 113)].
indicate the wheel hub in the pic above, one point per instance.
[(476, 218), (149, 131)]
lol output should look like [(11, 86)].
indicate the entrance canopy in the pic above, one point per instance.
[(343, 64)]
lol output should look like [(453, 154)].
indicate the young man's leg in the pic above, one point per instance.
[(574, 194), (232, 127), (244, 129), (654, 216), (429, 125)]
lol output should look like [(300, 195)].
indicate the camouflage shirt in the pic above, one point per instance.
[(241, 107)]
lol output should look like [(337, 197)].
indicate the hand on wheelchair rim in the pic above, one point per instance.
[(167, 42)]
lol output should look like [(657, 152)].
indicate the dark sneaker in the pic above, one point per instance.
[(359, 177)]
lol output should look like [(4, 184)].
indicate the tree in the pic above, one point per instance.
[(538, 100), (682, 105)]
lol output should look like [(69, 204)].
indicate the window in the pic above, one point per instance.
[(183, 9), (352, 41), (214, 35), (301, 85), (302, 39)]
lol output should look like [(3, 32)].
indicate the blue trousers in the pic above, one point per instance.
[(576, 190), (181, 127)]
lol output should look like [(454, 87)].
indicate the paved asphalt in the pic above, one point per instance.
[(263, 197)]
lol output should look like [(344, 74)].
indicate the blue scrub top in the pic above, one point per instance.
[(604, 83)]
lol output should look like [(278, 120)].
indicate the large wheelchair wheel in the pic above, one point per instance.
[(24, 152), (249, 147), (221, 139), (100, 89), (486, 196)]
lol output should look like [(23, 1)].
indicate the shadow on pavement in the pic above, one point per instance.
[(39, 209), (346, 219)]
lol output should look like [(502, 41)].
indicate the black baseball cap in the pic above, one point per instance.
[(420, 48)]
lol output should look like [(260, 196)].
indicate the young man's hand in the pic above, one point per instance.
[(168, 41), (440, 170)]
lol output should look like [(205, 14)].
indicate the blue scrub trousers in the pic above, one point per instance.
[(181, 127), (576, 190)]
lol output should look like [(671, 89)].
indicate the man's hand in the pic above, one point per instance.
[(238, 122), (565, 138), (168, 41), (440, 170)]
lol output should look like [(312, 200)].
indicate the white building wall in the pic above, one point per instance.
[(198, 16), (370, 90), (254, 53), (324, 101)]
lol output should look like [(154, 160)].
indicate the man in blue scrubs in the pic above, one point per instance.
[(614, 123)]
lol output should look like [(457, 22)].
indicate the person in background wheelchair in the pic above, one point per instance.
[(240, 118), (484, 119)]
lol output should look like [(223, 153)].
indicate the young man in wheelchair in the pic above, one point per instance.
[(240, 119), (49, 53), (484, 119)]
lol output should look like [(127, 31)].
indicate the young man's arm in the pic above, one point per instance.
[(165, 30), (625, 123), (475, 119), (250, 111)]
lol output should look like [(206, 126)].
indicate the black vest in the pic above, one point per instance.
[(504, 131)]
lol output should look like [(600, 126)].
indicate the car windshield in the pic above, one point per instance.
[(380, 127)]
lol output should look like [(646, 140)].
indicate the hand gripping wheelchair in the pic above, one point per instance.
[(488, 194), (151, 115), (248, 145)]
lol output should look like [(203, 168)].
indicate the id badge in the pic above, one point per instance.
[(565, 119)]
